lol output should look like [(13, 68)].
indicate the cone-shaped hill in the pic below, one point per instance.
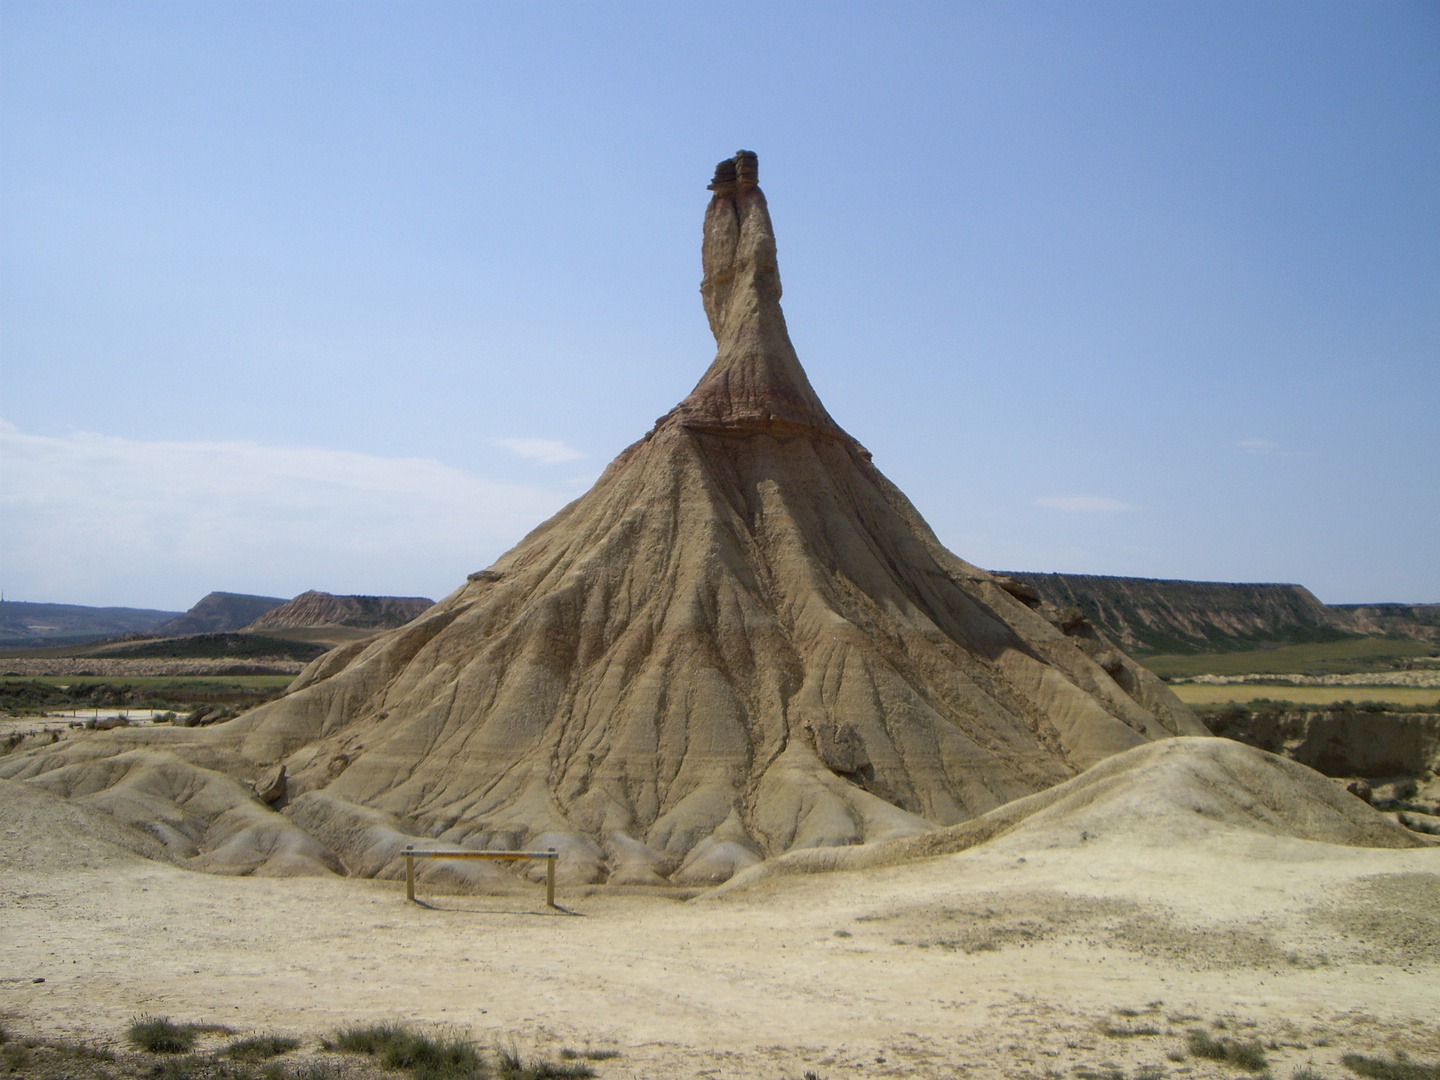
[(741, 641)]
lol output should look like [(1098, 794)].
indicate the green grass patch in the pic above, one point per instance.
[(231, 646), (1312, 658), (77, 693), (1399, 1068), (1245, 1054), (193, 682), (1258, 695)]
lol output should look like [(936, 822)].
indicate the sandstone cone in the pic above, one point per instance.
[(741, 641)]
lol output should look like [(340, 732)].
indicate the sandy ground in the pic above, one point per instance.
[(1005, 960)]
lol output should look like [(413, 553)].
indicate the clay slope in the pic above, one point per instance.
[(741, 641), (1164, 794), (323, 609)]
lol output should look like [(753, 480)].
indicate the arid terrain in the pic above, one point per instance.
[(1077, 947)]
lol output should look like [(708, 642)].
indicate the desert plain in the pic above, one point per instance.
[(1091, 939)]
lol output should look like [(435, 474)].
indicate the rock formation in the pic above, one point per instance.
[(217, 612), (316, 609), (743, 640)]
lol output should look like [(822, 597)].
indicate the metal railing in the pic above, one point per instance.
[(549, 856)]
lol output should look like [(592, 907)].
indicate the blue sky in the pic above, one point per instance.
[(349, 295)]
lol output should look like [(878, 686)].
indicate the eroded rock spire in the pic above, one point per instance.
[(756, 379)]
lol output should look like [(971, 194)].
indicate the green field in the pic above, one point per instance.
[(180, 693), (206, 681), (1408, 697), (1313, 658)]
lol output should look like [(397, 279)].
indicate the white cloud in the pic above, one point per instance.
[(547, 451), (98, 519), (1082, 504), (1258, 446)]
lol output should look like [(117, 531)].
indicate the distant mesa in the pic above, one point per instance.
[(1148, 615), (321, 609), (217, 613)]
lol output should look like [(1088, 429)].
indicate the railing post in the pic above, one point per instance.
[(550, 879), (409, 871)]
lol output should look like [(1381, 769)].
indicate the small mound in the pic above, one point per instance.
[(45, 831), (1160, 794), (201, 818)]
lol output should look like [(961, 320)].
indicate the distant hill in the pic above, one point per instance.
[(1148, 615), (27, 625), (217, 613), (1419, 621), (322, 609)]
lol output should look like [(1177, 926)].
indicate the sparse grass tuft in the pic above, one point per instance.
[(157, 1035), (1129, 1031), (427, 1058), (1307, 1072), (510, 1066), (1248, 1055), (261, 1047), (588, 1055), (1149, 1072), (1402, 1068), (189, 1067)]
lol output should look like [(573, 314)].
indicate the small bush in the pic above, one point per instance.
[(1243, 1055), (261, 1047), (588, 1055), (157, 1035), (1402, 1068), (1306, 1072)]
